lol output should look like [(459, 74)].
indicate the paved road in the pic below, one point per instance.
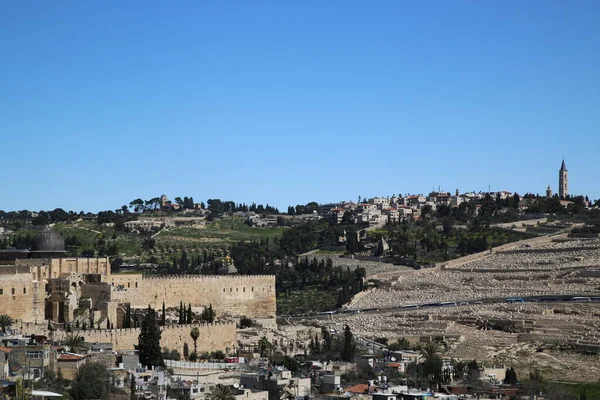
[(562, 298)]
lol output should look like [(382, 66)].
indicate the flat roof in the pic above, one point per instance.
[(44, 393)]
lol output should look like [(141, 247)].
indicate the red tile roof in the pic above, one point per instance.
[(70, 357), (360, 388), (5, 349)]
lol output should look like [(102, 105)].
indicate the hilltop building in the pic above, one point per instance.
[(563, 181)]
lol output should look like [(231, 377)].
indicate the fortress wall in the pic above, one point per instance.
[(212, 337), (80, 266), (46, 268), (17, 296), (239, 295), (125, 280)]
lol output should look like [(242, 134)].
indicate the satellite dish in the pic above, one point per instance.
[(236, 385)]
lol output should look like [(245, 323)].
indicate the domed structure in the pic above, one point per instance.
[(48, 240)]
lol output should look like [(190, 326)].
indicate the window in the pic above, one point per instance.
[(244, 289), (24, 290), (13, 290), (34, 354), (136, 284), (128, 284), (230, 290), (1, 291), (223, 290), (253, 288)]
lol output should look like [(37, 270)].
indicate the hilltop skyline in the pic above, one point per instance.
[(290, 103)]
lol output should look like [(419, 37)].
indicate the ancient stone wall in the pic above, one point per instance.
[(45, 268), (238, 295), (212, 337), (16, 296)]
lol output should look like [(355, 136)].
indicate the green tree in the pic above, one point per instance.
[(132, 388), (401, 344), (75, 343), (348, 346), (208, 314), (21, 391), (163, 319), (149, 341), (189, 314), (195, 334), (91, 382), (5, 322), (221, 392), (186, 351), (430, 351), (181, 311), (264, 346)]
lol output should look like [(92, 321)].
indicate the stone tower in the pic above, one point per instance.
[(549, 192), (563, 181)]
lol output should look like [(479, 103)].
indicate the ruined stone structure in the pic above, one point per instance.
[(57, 289), (25, 287)]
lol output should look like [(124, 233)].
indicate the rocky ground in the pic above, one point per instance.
[(560, 339), (500, 275)]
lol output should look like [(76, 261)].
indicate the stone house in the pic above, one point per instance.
[(69, 364), (4, 362)]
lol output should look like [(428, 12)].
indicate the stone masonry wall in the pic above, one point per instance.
[(16, 296), (240, 295), (212, 337)]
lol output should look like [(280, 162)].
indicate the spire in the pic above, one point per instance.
[(563, 167)]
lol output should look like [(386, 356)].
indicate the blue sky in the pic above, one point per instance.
[(288, 102)]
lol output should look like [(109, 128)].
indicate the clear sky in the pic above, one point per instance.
[(285, 102)]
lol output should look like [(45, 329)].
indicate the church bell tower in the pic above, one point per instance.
[(563, 181)]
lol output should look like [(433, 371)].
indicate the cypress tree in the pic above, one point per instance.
[(132, 388), (349, 345), (189, 314), (186, 351), (127, 318), (317, 344), (181, 313), (163, 319), (149, 341)]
